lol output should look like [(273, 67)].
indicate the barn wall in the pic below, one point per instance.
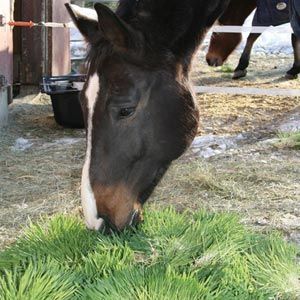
[(17, 42), (45, 51), (32, 40), (6, 62), (59, 40), (6, 43)]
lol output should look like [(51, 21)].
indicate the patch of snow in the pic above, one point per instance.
[(211, 145), (271, 141), (21, 144), (268, 43), (63, 142), (291, 221), (292, 125), (68, 141)]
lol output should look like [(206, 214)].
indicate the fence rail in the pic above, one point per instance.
[(246, 91), (217, 29)]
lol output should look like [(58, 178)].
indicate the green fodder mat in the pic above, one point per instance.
[(170, 256)]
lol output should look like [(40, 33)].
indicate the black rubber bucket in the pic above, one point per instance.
[(64, 92)]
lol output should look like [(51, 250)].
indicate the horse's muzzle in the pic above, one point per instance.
[(214, 61), (134, 219)]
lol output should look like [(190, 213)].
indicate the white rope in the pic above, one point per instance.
[(56, 25), (247, 91), (250, 29), (219, 29)]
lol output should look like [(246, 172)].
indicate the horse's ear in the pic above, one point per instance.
[(86, 20), (113, 28)]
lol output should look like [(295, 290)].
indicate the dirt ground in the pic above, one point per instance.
[(40, 162)]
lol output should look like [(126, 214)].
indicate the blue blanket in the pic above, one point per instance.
[(295, 16), (272, 12)]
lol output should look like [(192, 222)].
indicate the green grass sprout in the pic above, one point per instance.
[(172, 255), (289, 140)]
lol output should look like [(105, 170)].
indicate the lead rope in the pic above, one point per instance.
[(31, 24)]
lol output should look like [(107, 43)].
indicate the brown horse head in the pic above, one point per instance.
[(223, 44), (139, 117)]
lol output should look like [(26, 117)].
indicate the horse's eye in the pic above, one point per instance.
[(126, 112)]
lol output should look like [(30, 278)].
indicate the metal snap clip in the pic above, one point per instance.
[(281, 5)]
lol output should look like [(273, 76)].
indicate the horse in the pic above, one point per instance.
[(137, 101), (223, 44)]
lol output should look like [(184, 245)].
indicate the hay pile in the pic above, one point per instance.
[(233, 114), (171, 256), (258, 181), (43, 179)]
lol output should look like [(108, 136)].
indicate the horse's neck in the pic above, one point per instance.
[(237, 12), (176, 25), (205, 15)]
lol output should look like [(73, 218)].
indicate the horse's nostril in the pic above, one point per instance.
[(214, 61), (107, 229), (209, 61), (107, 226), (135, 217)]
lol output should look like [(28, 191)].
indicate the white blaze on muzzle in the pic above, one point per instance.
[(87, 196)]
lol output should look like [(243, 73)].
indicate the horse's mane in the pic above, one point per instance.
[(161, 21), (173, 26), (125, 9)]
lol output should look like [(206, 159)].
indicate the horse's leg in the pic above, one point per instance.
[(295, 70), (241, 69)]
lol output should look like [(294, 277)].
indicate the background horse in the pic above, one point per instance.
[(223, 44), (137, 101)]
